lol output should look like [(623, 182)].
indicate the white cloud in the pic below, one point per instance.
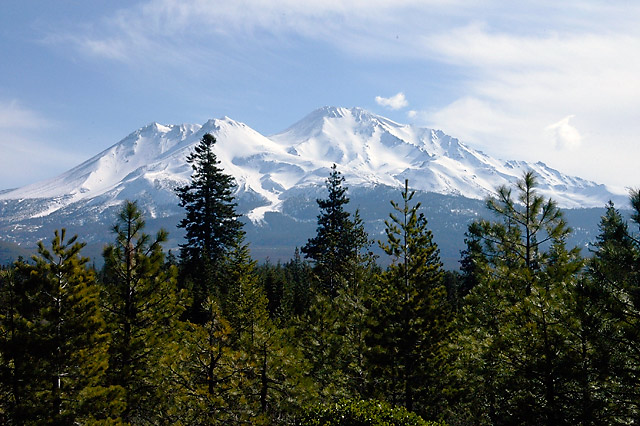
[(512, 67), (515, 84), (15, 116), (564, 135), (155, 30), (395, 102)]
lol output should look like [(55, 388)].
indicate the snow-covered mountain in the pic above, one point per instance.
[(370, 150)]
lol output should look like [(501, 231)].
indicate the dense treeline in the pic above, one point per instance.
[(529, 332)]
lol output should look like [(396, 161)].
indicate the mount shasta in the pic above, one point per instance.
[(279, 177)]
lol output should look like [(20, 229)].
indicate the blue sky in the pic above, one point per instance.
[(550, 81)]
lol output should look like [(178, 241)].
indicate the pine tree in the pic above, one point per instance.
[(273, 382), (211, 224), (57, 373), (409, 315), (522, 336), (527, 224), (205, 372), (141, 305)]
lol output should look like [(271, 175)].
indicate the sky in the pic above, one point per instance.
[(551, 81)]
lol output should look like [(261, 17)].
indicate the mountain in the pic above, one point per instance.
[(278, 176)]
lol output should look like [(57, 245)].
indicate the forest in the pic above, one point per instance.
[(529, 331)]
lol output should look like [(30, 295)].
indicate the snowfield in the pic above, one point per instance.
[(369, 150)]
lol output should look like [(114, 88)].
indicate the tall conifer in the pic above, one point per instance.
[(615, 290), (332, 247), (211, 224), (522, 334), (409, 315)]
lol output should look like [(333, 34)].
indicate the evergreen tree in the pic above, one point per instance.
[(527, 224), (409, 315), (205, 372), (273, 383), (350, 306), (614, 289), (211, 224), (522, 341), (56, 344), (141, 305), (332, 249), (296, 297), (332, 330)]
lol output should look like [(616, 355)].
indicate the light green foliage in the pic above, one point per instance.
[(204, 373), (361, 413), (56, 344), (141, 305), (522, 343), (273, 383)]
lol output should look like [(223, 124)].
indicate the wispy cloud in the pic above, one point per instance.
[(397, 101), (156, 29), (511, 68), (23, 132), (14, 116)]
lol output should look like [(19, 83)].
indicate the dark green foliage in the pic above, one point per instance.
[(614, 296), (296, 296), (211, 224), (336, 240), (527, 225), (361, 413), (409, 317), (525, 334), (273, 280), (523, 341)]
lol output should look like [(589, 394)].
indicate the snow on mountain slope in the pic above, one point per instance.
[(369, 150)]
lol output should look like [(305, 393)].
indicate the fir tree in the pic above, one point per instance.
[(332, 248), (614, 289), (211, 224)]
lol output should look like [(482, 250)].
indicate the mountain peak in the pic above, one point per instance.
[(369, 150)]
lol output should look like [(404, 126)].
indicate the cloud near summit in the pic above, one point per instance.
[(564, 135), (395, 102)]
